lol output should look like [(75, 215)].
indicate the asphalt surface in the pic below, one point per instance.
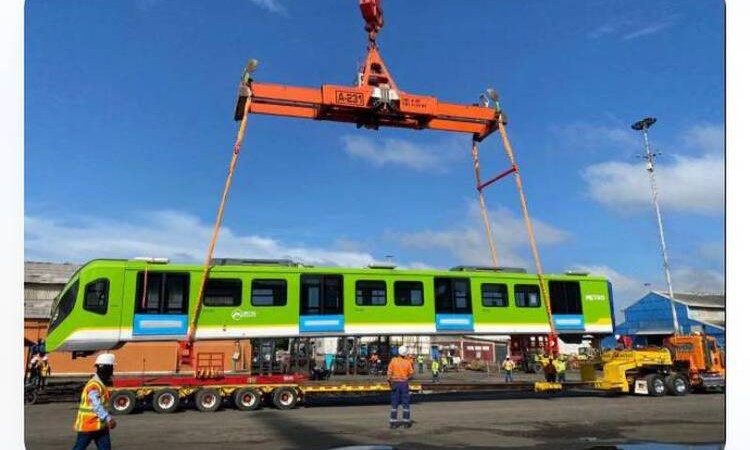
[(478, 420)]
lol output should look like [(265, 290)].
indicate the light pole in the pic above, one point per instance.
[(643, 125)]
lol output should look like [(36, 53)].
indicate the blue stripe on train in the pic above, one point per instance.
[(159, 324), (568, 321), (320, 324), (457, 322)]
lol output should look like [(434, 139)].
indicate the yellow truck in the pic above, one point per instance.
[(684, 363)]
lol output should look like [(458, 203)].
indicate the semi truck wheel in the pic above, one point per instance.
[(166, 401), (285, 398), (207, 400), (247, 399), (122, 402), (677, 384), (656, 385)]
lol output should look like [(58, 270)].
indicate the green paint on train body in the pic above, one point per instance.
[(103, 305)]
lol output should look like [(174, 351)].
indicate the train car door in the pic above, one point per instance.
[(565, 303), (161, 309), (321, 304), (453, 305)]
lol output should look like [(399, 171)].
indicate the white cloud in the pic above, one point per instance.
[(629, 28), (274, 6), (467, 241), (687, 183), (649, 29), (176, 235), (690, 279), (707, 138), (399, 152)]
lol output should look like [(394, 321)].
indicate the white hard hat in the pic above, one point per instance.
[(105, 359), (617, 336), (402, 350)]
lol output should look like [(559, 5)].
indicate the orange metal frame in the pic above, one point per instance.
[(373, 102)]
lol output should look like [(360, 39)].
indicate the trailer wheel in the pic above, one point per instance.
[(677, 384), (122, 402), (285, 398), (657, 387), (166, 401), (207, 400), (30, 396), (247, 399)]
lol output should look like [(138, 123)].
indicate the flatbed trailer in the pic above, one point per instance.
[(167, 394)]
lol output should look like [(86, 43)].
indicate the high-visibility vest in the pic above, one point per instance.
[(435, 366), (400, 369), (559, 365), (86, 419), (508, 365), (420, 359)]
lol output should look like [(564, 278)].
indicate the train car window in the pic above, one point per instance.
[(452, 296), (565, 297), (96, 296), (167, 293), (65, 306), (408, 293), (175, 292), (268, 293), (527, 295), (370, 292), (223, 292), (321, 295), (494, 294)]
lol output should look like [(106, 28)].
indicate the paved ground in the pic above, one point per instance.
[(481, 421)]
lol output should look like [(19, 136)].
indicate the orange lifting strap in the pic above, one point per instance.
[(186, 346), (552, 345)]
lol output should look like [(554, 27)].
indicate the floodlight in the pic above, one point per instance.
[(491, 93), (643, 124)]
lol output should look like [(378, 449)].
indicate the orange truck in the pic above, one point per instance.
[(684, 363)]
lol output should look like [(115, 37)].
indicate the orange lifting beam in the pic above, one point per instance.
[(374, 101)]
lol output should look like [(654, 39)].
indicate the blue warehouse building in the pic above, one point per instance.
[(649, 320)]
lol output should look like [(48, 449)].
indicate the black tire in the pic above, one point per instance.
[(677, 384), (30, 396), (165, 401), (122, 402), (285, 398), (207, 400), (657, 387), (248, 399)]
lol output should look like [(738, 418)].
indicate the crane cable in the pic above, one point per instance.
[(529, 229), (482, 204), (217, 225)]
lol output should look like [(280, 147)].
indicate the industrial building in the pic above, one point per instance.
[(649, 320)]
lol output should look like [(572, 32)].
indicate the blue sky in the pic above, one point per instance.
[(129, 132)]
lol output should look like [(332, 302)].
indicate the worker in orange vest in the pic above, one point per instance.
[(93, 422), (400, 371)]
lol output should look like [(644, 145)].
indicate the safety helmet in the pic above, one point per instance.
[(617, 336), (507, 357), (402, 350), (105, 359)]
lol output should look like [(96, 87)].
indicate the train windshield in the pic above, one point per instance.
[(64, 305)]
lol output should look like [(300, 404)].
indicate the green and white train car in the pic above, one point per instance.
[(109, 302)]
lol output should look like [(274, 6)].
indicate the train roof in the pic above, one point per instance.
[(236, 264)]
